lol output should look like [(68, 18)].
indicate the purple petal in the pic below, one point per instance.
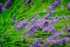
[(22, 24), (65, 40), (69, 6), (57, 34), (34, 28), (0, 7), (8, 4), (57, 2)]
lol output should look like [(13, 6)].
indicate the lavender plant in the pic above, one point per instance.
[(43, 30)]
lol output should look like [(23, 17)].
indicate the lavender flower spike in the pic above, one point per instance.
[(36, 43), (31, 34), (3, 9), (0, 8), (46, 29), (57, 34), (34, 20), (34, 28), (45, 44), (22, 24), (57, 2), (51, 9), (49, 29), (68, 30), (39, 24), (50, 37), (55, 42), (52, 29), (8, 4), (65, 40), (69, 6), (48, 15), (54, 20)]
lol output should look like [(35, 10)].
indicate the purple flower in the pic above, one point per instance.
[(55, 42), (68, 29), (65, 40), (34, 20), (51, 8), (54, 5), (31, 34), (47, 22), (49, 29), (69, 6), (59, 41), (54, 21), (45, 44), (68, 35), (52, 29), (8, 4), (0, 7), (46, 29), (3, 9), (48, 16), (57, 2), (22, 24), (44, 22), (37, 43), (40, 23), (57, 34), (50, 37), (34, 28), (52, 42)]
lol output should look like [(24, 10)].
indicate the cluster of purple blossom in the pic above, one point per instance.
[(69, 6), (45, 25), (54, 5), (6, 6), (51, 40), (54, 39)]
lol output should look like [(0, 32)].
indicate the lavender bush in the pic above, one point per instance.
[(23, 23)]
